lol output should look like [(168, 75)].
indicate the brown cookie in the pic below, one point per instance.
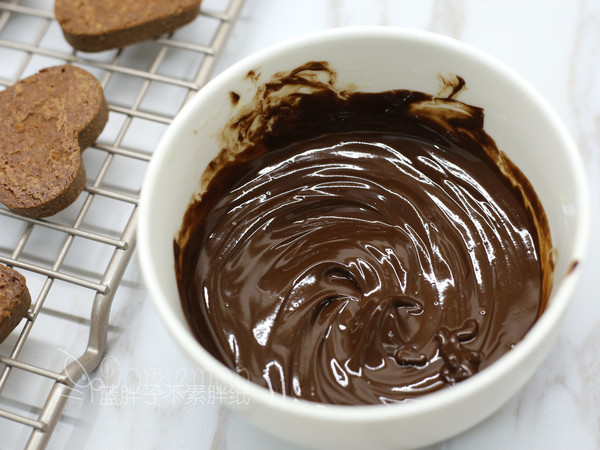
[(45, 122), (14, 300), (96, 25)]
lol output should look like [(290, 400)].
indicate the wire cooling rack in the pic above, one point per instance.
[(75, 261)]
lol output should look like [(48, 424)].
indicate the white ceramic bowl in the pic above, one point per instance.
[(375, 59)]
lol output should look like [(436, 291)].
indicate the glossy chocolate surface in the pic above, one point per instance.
[(361, 248)]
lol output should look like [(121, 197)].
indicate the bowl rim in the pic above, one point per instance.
[(548, 321)]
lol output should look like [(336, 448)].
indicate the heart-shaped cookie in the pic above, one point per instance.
[(45, 122), (14, 300), (96, 25)]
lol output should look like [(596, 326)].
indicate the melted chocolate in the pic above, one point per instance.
[(361, 248)]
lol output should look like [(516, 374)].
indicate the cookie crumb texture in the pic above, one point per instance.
[(96, 25), (46, 120), (14, 300)]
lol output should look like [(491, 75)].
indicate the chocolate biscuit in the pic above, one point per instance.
[(96, 25), (14, 300), (46, 120)]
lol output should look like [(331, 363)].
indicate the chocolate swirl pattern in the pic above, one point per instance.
[(368, 260)]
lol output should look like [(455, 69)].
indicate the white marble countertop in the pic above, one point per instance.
[(145, 394)]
